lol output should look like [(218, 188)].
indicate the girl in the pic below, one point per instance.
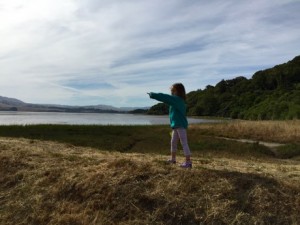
[(178, 121)]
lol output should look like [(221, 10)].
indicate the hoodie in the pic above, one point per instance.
[(177, 109)]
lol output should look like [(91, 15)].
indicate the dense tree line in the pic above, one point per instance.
[(270, 94)]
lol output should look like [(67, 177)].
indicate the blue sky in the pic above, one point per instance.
[(89, 52)]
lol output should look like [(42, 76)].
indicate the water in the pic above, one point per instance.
[(23, 118)]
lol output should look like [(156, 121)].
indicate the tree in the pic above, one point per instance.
[(159, 109), (270, 94)]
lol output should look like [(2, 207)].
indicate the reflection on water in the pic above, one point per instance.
[(22, 118)]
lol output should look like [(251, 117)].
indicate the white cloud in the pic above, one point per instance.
[(113, 52)]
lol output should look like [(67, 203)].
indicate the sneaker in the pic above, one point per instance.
[(171, 161), (186, 165)]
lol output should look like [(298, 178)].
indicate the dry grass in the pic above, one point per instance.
[(50, 183), (273, 131)]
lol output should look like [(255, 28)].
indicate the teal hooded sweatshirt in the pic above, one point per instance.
[(177, 109)]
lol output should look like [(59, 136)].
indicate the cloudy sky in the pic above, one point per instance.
[(88, 52)]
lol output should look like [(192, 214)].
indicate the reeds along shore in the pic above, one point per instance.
[(203, 138), (273, 131)]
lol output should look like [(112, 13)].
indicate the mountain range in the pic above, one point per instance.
[(12, 104)]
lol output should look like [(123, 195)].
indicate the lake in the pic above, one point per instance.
[(26, 118)]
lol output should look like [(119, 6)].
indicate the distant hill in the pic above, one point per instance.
[(7, 102), (270, 94), (12, 104)]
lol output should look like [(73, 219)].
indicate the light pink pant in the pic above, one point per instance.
[(180, 134)]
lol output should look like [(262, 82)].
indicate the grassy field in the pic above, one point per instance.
[(59, 174)]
